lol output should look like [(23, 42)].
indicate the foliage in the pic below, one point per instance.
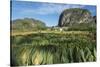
[(27, 24), (52, 48), (83, 27)]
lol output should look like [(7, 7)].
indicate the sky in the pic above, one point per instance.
[(47, 12)]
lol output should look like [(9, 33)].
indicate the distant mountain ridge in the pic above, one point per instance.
[(27, 24), (73, 19)]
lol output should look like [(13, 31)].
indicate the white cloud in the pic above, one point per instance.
[(48, 8)]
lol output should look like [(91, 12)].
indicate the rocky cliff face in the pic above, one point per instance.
[(73, 16)]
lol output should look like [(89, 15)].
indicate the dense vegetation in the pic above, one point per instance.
[(27, 24), (32, 43), (83, 27), (50, 48)]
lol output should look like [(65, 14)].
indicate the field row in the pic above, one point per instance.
[(53, 48), (56, 32)]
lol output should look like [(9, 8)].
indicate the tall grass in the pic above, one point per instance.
[(52, 48)]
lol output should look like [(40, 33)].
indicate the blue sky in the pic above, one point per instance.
[(47, 12)]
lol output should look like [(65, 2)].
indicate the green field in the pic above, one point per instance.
[(36, 48), (60, 35)]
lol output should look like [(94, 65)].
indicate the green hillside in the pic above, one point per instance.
[(27, 24)]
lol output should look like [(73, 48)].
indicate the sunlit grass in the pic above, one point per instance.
[(53, 48)]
